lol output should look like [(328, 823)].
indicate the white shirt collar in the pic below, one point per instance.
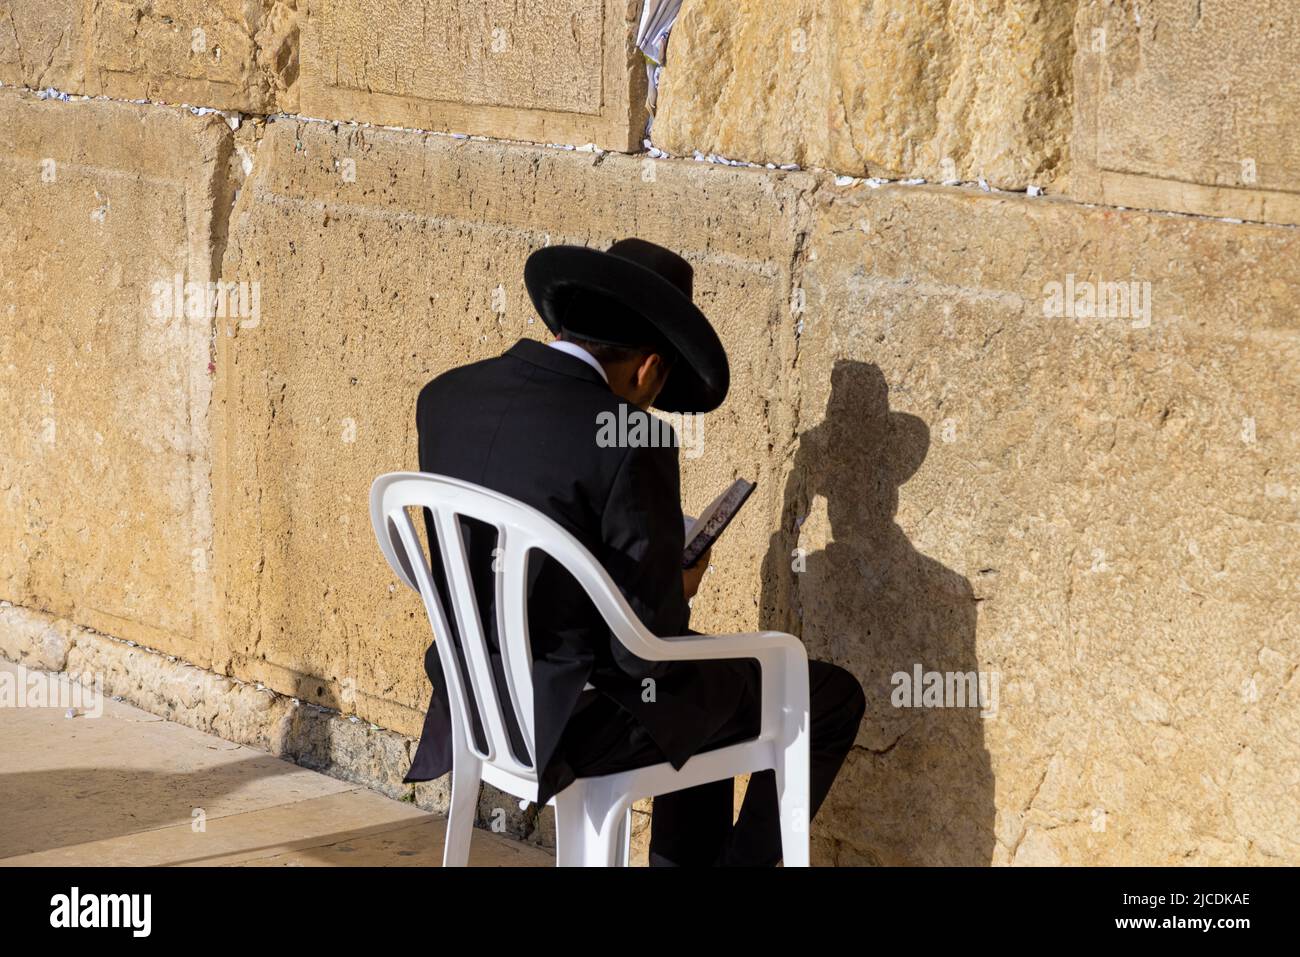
[(580, 353)]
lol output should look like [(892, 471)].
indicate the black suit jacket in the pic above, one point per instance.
[(525, 424)]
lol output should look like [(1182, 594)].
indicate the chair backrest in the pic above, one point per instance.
[(520, 530)]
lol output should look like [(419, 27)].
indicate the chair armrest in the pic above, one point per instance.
[(755, 644), (783, 664)]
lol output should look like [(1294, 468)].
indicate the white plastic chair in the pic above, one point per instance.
[(592, 815)]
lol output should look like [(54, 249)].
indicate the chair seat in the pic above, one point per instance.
[(743, 757)]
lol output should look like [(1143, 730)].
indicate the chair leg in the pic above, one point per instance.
[(589, 827), (625, 838), (570, 827), (793, 789), (607, 847), (466, 776)]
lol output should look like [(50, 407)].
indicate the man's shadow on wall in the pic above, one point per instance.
[(918, 787)]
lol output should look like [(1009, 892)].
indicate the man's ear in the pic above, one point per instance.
[(652, 368)]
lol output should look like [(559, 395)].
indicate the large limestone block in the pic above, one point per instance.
[(1098, 514), (104, 475), (228, 54), (1189, 106), (559, 71), (320, 395), (41, 43), (937, 89)]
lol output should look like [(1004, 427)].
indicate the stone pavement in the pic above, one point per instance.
[(129, 788)]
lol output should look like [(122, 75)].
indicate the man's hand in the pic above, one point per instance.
[(691, 576)]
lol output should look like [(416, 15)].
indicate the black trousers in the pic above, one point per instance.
[(693, 827)]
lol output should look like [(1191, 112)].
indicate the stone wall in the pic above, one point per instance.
[(1100, 510), (1162, 104), (229, 54), (939, 89), (962, 467), (105, 474)]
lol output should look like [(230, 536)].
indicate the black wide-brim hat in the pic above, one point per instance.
[(655, 284)]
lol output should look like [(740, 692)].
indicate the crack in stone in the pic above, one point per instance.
[(881, 752), (1024, 827), (663, 155)]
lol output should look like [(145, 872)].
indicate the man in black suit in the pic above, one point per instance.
[(525, 424)]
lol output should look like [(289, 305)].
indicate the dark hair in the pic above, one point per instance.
[(607, 352)]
